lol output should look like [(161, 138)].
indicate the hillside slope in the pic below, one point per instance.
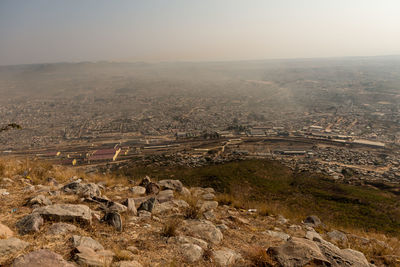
[(64, 216)]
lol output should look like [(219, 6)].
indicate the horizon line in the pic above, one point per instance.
[(199, 61)]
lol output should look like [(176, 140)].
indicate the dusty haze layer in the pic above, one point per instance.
[(54, 31)]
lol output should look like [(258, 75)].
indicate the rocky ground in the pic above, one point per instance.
[(75, 221)]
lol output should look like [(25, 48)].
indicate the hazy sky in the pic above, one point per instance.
[(33, 31)]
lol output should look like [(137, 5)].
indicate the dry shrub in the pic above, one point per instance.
[(259, 257), (122, 255), (170, 228), (263, 209), (2, 169), (194, 210), (207, 254)]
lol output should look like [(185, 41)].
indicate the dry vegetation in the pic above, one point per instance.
[(151, 240)]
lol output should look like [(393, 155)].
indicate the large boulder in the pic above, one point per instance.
[(66, 213), (175, 185), (279, 235), (86, 242), (29, 223), (337, 237), (342, 257), (41, 258), (81, 189), (165, 195), (207, 205), (116, 207), (130, 204), (188, 239), (313, 221), (9, 247), (5, 232), (148, 205), (203, 229), (152, 189), (173, 206), (86, 256), (39, 200), (114, 219), (61, 228), (191, 252), (301, 251), (138, 190), (298, 252), (226, 257), (127, 264)]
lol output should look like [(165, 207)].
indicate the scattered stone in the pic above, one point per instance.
[(279, 235), (6, 180), (86, 256), (226, 257), (175, 185), (66, 212), (11, 246), (125, 254), (5, 232), (52, 182), (165, 195), (145, 181), (204, 230), (188, 239), (148, 205), (298, 252), (41, 258), (116, 207), (295, 227), (113, 219), (338, 237), (209, 215), (282, 220), (191, 252), (83, 190), (185, 192), (138, 190), (61, 228), (144, 214), (223, 227), (84, 241), (4, 192), (29, 223), (238, 219), (127, 264), (313, 221), (39, 200), (312, 235), (133, 249), (208, 205), (208, 196), (152, 189), (130, 204), (342, 257)]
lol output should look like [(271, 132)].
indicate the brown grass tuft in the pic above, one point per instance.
[(170, 228), (258, 257), (194, 210)]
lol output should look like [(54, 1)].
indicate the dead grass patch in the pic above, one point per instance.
[(170, 227), (259, 257)]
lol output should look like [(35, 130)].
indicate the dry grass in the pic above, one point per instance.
[(170, 227), (122, 255), (39, 171), (258, 257), (262, 208), (194, 210)]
